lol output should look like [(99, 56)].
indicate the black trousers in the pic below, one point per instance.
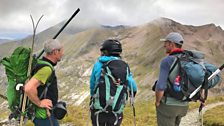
[(105, 119)]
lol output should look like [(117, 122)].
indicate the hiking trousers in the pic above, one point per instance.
[(105, 119), (51, 121), (170, 115)]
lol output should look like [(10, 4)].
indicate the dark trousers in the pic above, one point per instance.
[(105, 119), (51, 121)]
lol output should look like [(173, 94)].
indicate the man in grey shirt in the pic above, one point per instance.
[(168, 109)]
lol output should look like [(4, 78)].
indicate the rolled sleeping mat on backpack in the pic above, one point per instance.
[(214, 75), (209, 78)]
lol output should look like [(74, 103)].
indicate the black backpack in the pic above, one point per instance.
[(110, 94)]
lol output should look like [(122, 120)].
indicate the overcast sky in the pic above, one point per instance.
[(15, 14)]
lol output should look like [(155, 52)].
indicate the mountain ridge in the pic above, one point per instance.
[(141, 49)]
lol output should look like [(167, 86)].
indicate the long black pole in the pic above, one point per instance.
[(76, 12)]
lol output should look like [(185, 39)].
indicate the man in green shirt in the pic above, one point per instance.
[(44, 76)]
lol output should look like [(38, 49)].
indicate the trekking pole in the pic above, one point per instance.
[(205, 94), (132, 104), (89, 118), (201, 113), (24, 100), (49, 117), (209, 78), (89, 113), (74, 14)]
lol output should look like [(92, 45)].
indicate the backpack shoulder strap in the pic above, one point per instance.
[(45, 63), (176, 63), (41, 64)]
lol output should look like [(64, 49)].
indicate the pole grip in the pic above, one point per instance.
[(221, 67)]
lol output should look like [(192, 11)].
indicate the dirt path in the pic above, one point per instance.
[(192, 117)]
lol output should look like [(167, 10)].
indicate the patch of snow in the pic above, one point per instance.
[(82, 98), (87, 72)]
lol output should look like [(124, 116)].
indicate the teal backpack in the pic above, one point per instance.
[(187, 73)]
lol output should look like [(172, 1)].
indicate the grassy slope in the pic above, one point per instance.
[(7, 48), (214, 117), (145, 113)]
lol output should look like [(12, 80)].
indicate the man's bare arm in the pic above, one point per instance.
[(31, 91)]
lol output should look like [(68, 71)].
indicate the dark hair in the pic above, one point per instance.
[(106, 53), (178, 45)]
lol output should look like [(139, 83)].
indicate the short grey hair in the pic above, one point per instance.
[(51, 44)]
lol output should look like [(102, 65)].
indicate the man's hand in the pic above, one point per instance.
[(157, 104), (134, 93), (159, 95), (46, 103)]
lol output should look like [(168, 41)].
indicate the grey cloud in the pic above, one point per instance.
[(15, 13), (8, 7), (116, 11)]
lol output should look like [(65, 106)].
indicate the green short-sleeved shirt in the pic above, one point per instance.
[(42, 75)]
